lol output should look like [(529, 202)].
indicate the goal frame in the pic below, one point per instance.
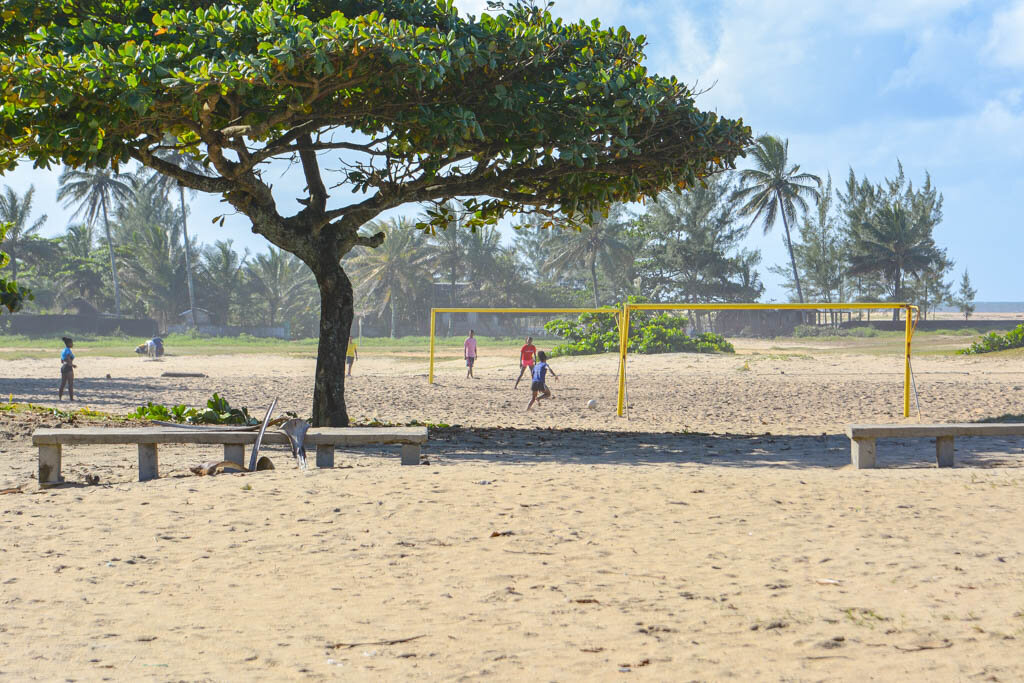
[(610, 310), (627, 308)]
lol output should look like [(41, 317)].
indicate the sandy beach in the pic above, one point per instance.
[(717, 533)]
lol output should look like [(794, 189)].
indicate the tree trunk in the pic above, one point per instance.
[(792, 258), (337, 309), (451, 301), (188, 257), (897, 293), (113, 265), (391, 305), (593, 277)]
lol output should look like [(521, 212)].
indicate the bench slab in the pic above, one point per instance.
[(338, 436), (323, 439), (862, 438), (935, 430)]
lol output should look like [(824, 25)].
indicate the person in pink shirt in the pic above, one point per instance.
[(469, 352)]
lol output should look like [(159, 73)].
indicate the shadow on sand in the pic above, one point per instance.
[(587, 447)]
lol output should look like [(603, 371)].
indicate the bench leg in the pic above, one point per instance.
[(235, 452), (862, 453), (944, 451), (325, 455), (147, 462), (410, 454), (49, 464)]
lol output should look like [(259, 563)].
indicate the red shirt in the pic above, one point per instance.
[(526, 354)]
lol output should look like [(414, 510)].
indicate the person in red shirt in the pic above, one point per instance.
[(527, 354)]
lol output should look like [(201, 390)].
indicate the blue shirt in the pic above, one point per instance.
[(66, 356), (540, 371)]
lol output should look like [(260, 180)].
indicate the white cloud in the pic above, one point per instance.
[(1005, 45)]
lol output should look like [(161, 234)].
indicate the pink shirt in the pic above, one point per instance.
[(470, 347)]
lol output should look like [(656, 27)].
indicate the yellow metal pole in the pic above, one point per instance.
[(906, 366), (623, 344), (430, 373)]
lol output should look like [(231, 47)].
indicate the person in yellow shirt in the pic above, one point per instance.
[(351, 355)]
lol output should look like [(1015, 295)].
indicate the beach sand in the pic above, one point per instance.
[(718, 533)]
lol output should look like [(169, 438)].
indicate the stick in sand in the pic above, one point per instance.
[(253, 459)]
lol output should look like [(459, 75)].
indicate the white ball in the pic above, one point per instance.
[(592, 403)]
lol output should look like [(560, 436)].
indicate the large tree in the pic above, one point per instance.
[(774, 188), (512, 111)]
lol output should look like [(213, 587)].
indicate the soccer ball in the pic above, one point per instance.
[(592, 403)]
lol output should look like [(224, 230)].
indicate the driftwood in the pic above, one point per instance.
[(253, 459), (212, 467), (335, 646), (182, 374)]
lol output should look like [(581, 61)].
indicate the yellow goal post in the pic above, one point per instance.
[(627, 308), (617, 312)]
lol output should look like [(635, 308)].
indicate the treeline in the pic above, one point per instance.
[(862, 242)]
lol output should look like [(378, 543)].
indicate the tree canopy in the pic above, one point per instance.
[(411, 101)]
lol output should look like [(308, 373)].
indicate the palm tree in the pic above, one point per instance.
[(163, 184), (16, 210), (599, 242), (891, 244), (394, 270), (80, 274), (282, 282), (95, 192), (446, 251), (773, 187), (220, 275), (149, 230)]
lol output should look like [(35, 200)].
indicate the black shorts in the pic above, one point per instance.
[(350, 359), (538, 386), (66, 370)]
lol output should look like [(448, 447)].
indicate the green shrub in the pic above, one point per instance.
[(827, 331), (662, 333), (218, 411), (993, 341)]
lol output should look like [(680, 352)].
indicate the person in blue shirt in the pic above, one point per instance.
[(67, 370), (540, 371)]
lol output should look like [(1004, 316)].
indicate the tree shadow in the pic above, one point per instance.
[(96, 392), (596, 447)]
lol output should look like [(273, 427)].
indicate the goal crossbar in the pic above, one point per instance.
[(617, 312), (627, 308)]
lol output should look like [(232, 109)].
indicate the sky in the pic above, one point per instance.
[(935, 84)]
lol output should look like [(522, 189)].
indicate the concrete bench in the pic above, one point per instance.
[(51, 441), (862, 438)]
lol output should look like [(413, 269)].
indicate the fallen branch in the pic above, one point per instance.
[(335, 646)]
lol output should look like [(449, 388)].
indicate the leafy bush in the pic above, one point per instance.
[(993, 341), (817, 331), (218, 411), (662, 333)]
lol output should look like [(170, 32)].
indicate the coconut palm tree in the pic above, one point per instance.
[(282, 282), (165, 184), (80, 274), (221, 272), (892, 244), (773, 188), (95, 192), (394, 271), (19, 240), (599, 242), (446, 252)]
